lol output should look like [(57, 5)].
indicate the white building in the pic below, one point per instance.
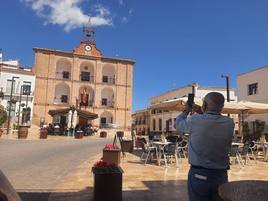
[(253, 86), (21, 83), (163, 121)]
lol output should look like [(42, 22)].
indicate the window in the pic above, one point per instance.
[(104, 101), (26, 89), (65, 74), (105, 79), (153, 124), (64, 98), (153, 111), (252, 89), (160, 124), (85, 76)]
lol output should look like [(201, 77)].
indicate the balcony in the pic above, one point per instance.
[(65, 75), (63, 99), (108, 80), (85, 77), (87, 104), (107, 104)]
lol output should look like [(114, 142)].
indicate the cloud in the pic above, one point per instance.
[(124, 20), (68, 14), (121, 2)]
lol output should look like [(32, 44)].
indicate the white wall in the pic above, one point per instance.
[(259, 76), (4, 76), (180, 93)]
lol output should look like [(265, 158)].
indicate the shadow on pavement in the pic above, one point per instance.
[(153, 190)]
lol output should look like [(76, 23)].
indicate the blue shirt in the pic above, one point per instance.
[(210, 138)]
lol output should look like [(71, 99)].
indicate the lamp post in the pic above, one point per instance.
[(227, 88), (21, 87), (9, 109)]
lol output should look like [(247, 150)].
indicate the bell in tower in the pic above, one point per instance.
[(88, 46)]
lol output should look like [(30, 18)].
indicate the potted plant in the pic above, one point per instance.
[(79, 134), (23, 132), (43, 133), (103, 134), (107, 181), (111, 154)]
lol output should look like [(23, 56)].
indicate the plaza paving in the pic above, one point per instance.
[(65, 176), (146, 182)]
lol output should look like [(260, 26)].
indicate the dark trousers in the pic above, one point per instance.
[(203, 184)]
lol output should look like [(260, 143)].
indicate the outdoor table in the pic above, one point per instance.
[(159, 147), (247, 190), (264, 148)]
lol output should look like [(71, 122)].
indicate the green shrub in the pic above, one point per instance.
[(3, 115)]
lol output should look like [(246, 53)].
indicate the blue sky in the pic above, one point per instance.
[(174, 42)]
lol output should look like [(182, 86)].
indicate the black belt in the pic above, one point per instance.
[(203, 168)]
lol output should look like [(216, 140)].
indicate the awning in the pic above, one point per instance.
[(229, 107), (81, 113)]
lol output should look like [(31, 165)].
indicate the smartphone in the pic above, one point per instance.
[(190, 100)]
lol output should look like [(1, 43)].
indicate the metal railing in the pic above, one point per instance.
[(108, 104)]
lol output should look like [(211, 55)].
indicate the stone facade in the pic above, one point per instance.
[(141, 121), (86, 79)]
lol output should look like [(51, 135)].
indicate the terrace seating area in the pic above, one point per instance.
[(160, 150)]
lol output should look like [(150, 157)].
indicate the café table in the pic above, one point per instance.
[(247, 190), (160, 149)]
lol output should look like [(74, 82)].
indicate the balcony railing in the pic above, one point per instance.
[(107, 104), (108, 80), (63, 99), (85, 76), (87, 104)]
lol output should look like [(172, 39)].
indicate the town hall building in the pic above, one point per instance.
[(86, 79)]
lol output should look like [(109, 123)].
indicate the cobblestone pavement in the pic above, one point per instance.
[(34, 165)]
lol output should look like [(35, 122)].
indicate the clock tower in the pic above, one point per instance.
[(87, 45)]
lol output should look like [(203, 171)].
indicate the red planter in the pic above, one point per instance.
[(43, 133), (79, 135), (111, 156), (103, 134), (23, 132)]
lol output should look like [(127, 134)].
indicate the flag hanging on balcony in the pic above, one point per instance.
[(85, 96)]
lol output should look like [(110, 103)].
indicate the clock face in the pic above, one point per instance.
[(88, 48)]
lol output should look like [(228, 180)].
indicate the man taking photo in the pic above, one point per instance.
[(209, 144)]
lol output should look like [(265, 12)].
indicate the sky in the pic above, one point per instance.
[(174, 42)]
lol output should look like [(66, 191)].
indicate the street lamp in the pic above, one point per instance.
[(227, 88), (10, 101)]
